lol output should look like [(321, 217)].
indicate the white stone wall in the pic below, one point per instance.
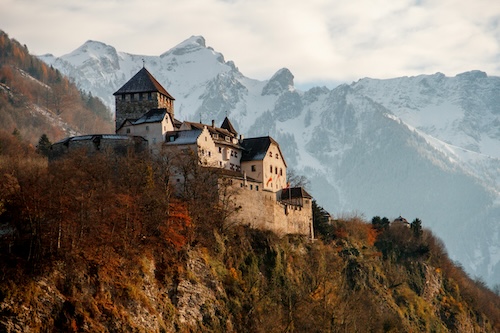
[(253, 169), (274, 169), (206, 149)]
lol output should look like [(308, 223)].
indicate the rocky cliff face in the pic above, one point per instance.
[(422, 146), (249, 281)]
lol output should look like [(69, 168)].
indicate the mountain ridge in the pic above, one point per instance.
[(360, 144)]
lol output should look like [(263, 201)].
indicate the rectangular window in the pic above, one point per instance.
[(140, 96), (276, 170), (150, 97), (281, 172), (132, 97), (123, 97), (256, 187), (254, 168), (128, 130), (271, 168), (147, 128), (235, 154), (251, 186), (220, 150)]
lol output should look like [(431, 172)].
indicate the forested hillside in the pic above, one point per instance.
[(36, 99), (101, 244)]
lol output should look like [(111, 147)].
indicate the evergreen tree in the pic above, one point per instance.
[(43, 146), (321, 223), (416, 227), (380, 223)]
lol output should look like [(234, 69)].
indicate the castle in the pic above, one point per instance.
[(256, 167)]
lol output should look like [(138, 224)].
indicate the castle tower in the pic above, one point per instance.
[(139, 95)]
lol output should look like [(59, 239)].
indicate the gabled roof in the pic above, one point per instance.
[(142, 82), (226, 124), (294, 192), (183, 137), (177, 123), (152, 116), (255, 149), (213, 130)]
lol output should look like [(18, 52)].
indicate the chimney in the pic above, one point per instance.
[(213, 123)]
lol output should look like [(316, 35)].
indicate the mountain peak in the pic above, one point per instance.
[(200, 40), (93, 47), (472, 75), (191, 44), (281, 81)]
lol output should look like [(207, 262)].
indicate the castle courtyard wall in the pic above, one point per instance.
[(261, 210)]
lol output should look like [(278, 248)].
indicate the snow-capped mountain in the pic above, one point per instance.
[(422, 146)]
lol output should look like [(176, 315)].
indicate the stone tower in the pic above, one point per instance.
[(139, 95)]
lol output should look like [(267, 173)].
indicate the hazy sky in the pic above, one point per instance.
[(318, 40)]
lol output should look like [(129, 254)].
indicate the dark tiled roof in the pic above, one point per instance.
[(152, 116), (142, 82), (98, 137), (177, 123), (256, 148), (294, 192), (226, 124), (91, 137)]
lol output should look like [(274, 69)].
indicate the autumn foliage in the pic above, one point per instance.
[(34, 97), (94, 206)]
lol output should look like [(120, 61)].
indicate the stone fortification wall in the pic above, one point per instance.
[(261, 210), (117, 144)]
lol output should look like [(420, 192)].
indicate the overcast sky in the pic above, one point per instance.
[(318, 40)]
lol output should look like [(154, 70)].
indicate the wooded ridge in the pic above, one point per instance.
[(100, 243)]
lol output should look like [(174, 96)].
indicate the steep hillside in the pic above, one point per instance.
[(413, 146), (36, 99), (99, 245)]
